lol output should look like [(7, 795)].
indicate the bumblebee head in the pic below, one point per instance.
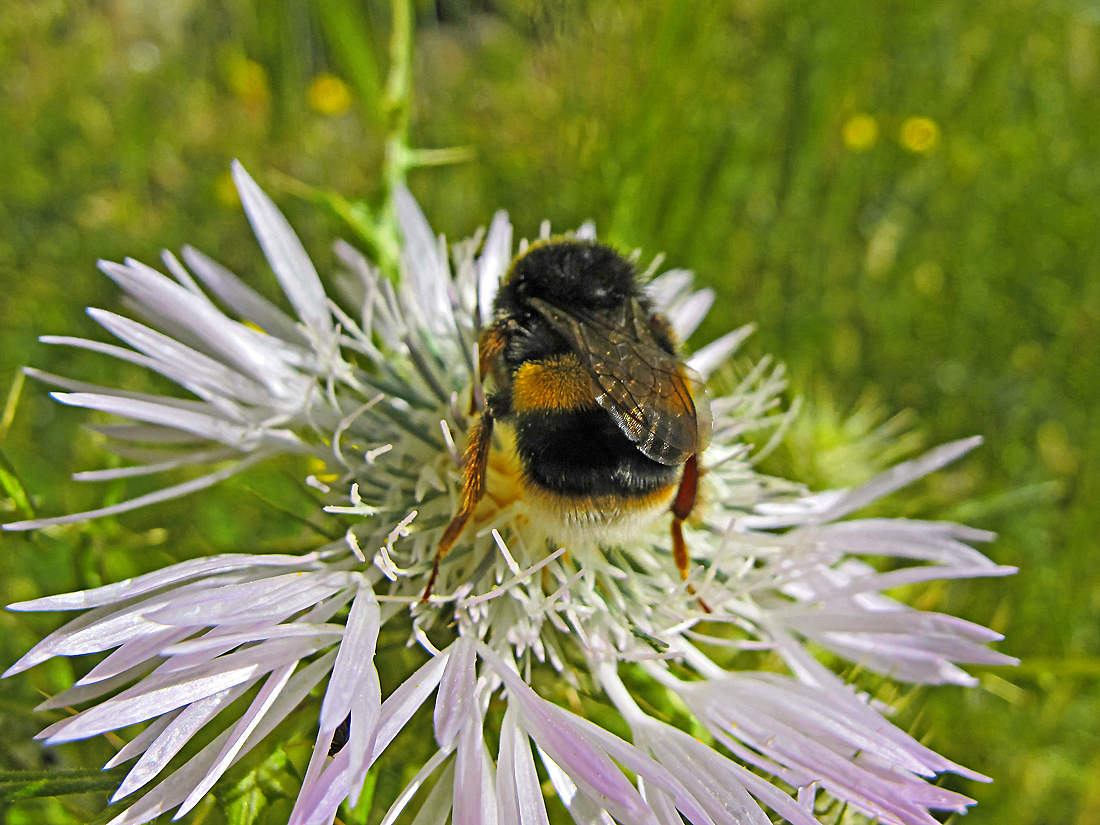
[(578, 275)]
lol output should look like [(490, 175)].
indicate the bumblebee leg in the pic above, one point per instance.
[(682, 506), (473, 488), (489, 346)]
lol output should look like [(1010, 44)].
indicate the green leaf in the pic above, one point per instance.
[(9, 480), (246, 801)]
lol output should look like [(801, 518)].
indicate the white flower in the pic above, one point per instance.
[(380, 396)]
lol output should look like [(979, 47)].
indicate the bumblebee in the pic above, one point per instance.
[(608, 421)]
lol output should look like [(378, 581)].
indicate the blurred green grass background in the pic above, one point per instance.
[(905, 196)]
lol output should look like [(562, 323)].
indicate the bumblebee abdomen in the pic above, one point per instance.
[(583, 454)]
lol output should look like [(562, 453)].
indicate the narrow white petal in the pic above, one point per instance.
[(286, 255), (493, 264), (427, 275), (144, 432), (164, 494), (242, 299), (180, 363), (667, 287), (172, 790), (444, 783), (439, 804), (207, 425), (689, 313), (96, 389), (937, 541), (189, 459), (897, 477), (586, 231), (193, 321), (706, 360)]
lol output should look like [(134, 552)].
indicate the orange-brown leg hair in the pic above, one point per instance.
[(681, 508), (489, 346), (473, 488)]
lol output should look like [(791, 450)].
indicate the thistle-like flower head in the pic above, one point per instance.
[(376, 387)]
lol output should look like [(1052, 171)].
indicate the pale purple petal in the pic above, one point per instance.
[(263, 702), (652, 772), (407, 699), (169, 576), (583, 810), (173, 790), (135, 651), (474, 783), (140, 743), (660, 803), (157, 694), (558, 733), (456, 692), (353, 688), (824, 744), (706, 778), (265, 631), (251, 601), (184, 725), (106, 627), (519, 795)]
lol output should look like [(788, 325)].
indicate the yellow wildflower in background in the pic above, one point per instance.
[(329, 95), (860, 132), (920, 134)]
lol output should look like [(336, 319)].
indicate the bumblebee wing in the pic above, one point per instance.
[(644, 388)]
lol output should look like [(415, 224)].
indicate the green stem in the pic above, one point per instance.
[(23, 784)]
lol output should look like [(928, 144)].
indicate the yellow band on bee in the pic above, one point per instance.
[(558, 383)]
